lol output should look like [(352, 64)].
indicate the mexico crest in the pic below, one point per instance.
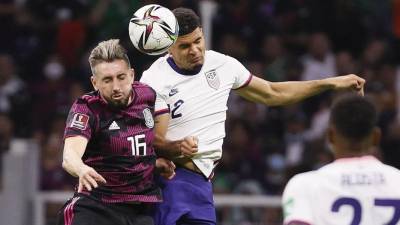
[(212, 79), (148, 118)]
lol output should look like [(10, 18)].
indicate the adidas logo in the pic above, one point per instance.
[(114, 126)]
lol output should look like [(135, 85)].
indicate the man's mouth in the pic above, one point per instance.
[(117, 96)]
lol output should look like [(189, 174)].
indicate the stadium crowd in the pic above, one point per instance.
[(43, 68)]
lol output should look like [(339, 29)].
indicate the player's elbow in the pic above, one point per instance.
[(66, 165)]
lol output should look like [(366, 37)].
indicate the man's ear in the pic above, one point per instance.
[(93, 81)]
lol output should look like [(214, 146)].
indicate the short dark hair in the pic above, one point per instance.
[(188, 20), (353, 116)]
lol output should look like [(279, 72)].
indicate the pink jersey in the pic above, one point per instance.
[(120, 144)]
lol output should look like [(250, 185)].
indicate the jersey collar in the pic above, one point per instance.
[(173, 65)]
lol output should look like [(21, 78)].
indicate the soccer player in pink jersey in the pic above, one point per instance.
[(109, 146)]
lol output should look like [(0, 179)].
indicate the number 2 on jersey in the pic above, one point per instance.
[(138, 144), (177, 104), (355, 204)]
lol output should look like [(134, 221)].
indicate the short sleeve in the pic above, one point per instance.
[(80, 121), (296, 202), (241, 74), (161, 105)]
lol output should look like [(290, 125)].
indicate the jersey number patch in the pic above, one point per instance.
[(138, 144), (355, 204)]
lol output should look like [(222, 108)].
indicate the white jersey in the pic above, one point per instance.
[(348, 191), (197, 103)]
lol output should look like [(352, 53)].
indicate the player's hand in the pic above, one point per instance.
[(189, 146), (165, 167), (89, 178), (349, 82)]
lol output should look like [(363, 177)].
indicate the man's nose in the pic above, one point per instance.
[(116, 86), (193, 50)]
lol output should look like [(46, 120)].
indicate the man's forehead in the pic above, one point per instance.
[(188, 38), (112, 68)]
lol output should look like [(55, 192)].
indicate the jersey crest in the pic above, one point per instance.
[(148, 118), (212, 79)]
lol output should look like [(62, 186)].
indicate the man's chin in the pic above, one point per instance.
[(196, 67), (118, 103)]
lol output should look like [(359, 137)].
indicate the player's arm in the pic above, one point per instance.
[(283, 93), (74, 148), (164, 148), (171, 149)]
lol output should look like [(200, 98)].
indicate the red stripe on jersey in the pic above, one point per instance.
[(245, 83), (160, 112), (297, 222)]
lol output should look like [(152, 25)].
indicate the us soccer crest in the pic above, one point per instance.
[(212, 79), (148, 118)]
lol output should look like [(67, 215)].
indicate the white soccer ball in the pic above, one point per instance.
[(153, 29)]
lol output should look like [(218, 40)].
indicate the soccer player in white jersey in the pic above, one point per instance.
[(354, 189), (192, 87)]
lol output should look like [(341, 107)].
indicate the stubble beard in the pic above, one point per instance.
[(118, 104)]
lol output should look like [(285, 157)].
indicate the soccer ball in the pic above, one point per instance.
[(153, 29)]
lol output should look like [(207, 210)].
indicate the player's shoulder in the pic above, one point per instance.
[(305, 178), (157, 73), (157, 66), (88, 103), (89, 98), (143, 87), (390, 169), (217, 57), (301, 183)]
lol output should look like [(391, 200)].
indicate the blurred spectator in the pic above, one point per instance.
[(374, 53), (345, 63), (240, 51), (242, 215), (53, 177), (7, 13), (275, 59), (51, 96), (14, 97), (6, 133), (319, 62), (294, 138), (110, 18)]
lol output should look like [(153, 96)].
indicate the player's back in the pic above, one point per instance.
[(347, 191)]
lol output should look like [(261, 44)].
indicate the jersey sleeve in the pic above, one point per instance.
[(161, 105), (80, 121), (241, 75), (296, 202)]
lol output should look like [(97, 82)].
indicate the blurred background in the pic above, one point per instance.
[(44, 47)]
